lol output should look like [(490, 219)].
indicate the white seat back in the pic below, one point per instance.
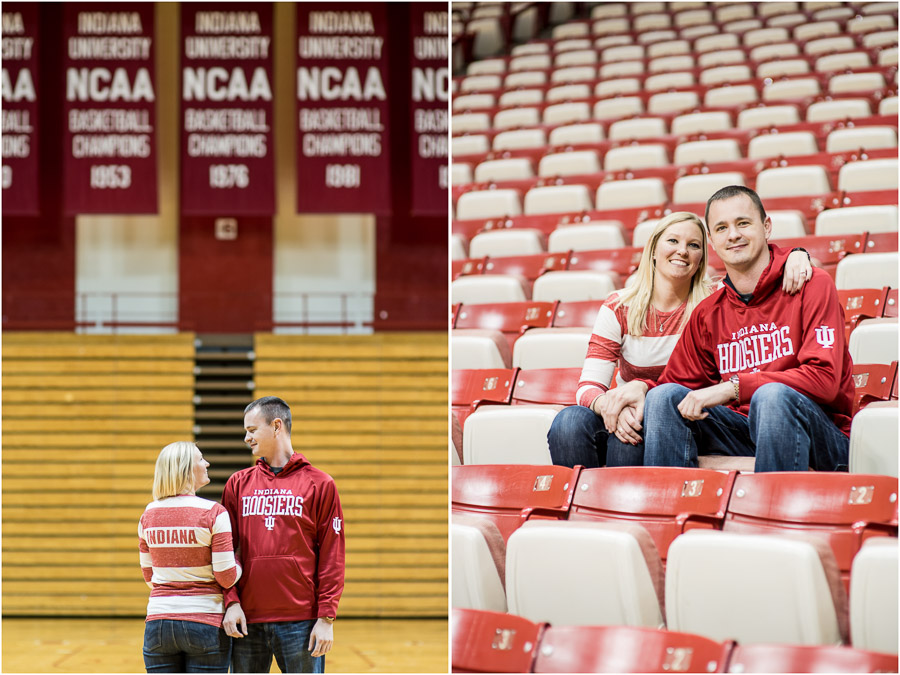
[(871, 270), (872, 174), (873, 596), (514, 434), (512, 241), (857, 219), (476, 581), (557, 199), (479, 289), (551, 348), (586, 237), (572, 286), (792, 181), (873, 446), (874, 340), (480, 204)]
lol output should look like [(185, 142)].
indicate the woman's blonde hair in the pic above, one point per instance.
[(637, 296), (174, 474)]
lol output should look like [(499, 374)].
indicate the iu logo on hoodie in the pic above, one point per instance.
[(825, 336), (336, 524)]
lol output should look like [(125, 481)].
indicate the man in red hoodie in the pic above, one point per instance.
[(287, 526), (756, 372)]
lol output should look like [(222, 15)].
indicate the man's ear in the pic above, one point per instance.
[(767, 223)]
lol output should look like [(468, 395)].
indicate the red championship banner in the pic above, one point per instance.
[(343, 160), (20, 105), (110, 108), (227, 156), (428, 24)]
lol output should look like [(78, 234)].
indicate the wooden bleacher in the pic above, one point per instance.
[(84, 418), (372, 412)]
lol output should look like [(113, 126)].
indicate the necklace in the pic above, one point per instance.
[(661, 324)]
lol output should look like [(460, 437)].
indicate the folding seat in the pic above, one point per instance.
[(692, 123), (888, 106), (475, 121), (574, 74), (874, 340), (566, 113), (779, 51), (873, 596), (734, 13), (828, 45), (860, 304), (697, 189), (693, 32), (572, 134), (801, 87), (719, 41), (530, 62), (842, 61), (492, 642), (773, 69), (480, 204), (838, 508), (608, 10), (872, 174), (525, 78), (578, 574), (666, 81), (508, 434), (521, 97), (873, 383), (636, 157), (742, 26), (460, 173), (568, 92), (649, 22), (814, 5), (861, 138), (722, 74), (856, 83), (651, 37), (512, 241), (570, 30), (457, 244), (708, 152), (787, 20), (836, 13), (622, 53), (666, 501), (558, 199), (569, 163), (512, 168), (627, 649), (486, 67), (530, 48), (480, 83), (551, 348), (873, 440), (576, 314), (792, 181), (517, 117), (731, 95), (883, 38), (638, 192), (556, 386), (612, 26), (516, 139), (672, 102), (725, 57), (474, 387), (693, 17), (641, 234), (622, 85), (671, 64), (575, 44), (878, 8), (777, 589), (857, 219), (640, 8), (789, 144), (888, 57), (843, 109), (573, 285), (868, 24), (767, 658), (473, 349), (478, 562), (618, 69), (586, 237), (473, 102), (509, 494), (575, 57), (642, 127), (602, 43), (815, 30), (481, 288), (787, 224)]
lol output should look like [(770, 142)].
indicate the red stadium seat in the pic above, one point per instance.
[(827, 250), (861, 303), (546, 385), (845, 509), (622, 261), (775, 658), (529, 267), (665, 500), (627, 649), (493, 642), (873, 382), (881, 242), (510, 494), (472, 388), (461, 268), (890, 305), (510, 318), (575, 314)]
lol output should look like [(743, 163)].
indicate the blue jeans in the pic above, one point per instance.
[(287, 640), (577, 436), (785, 431), (172, 646)]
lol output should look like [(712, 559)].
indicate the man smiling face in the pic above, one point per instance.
[(737, 232)]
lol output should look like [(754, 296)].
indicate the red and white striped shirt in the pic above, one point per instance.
[(187, 558), (642, 357)]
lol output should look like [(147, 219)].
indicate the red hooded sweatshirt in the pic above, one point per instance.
[(288, 531), (797, 340)]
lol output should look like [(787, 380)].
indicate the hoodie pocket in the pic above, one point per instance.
[(275, 584)]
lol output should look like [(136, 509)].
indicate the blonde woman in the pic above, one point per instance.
[(187, 560), (637, 329)]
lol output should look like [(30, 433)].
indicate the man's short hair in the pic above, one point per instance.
[(733, 191), (272, 407)]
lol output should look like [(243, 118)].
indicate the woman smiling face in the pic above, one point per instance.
[(201, 477), (679, 251)]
